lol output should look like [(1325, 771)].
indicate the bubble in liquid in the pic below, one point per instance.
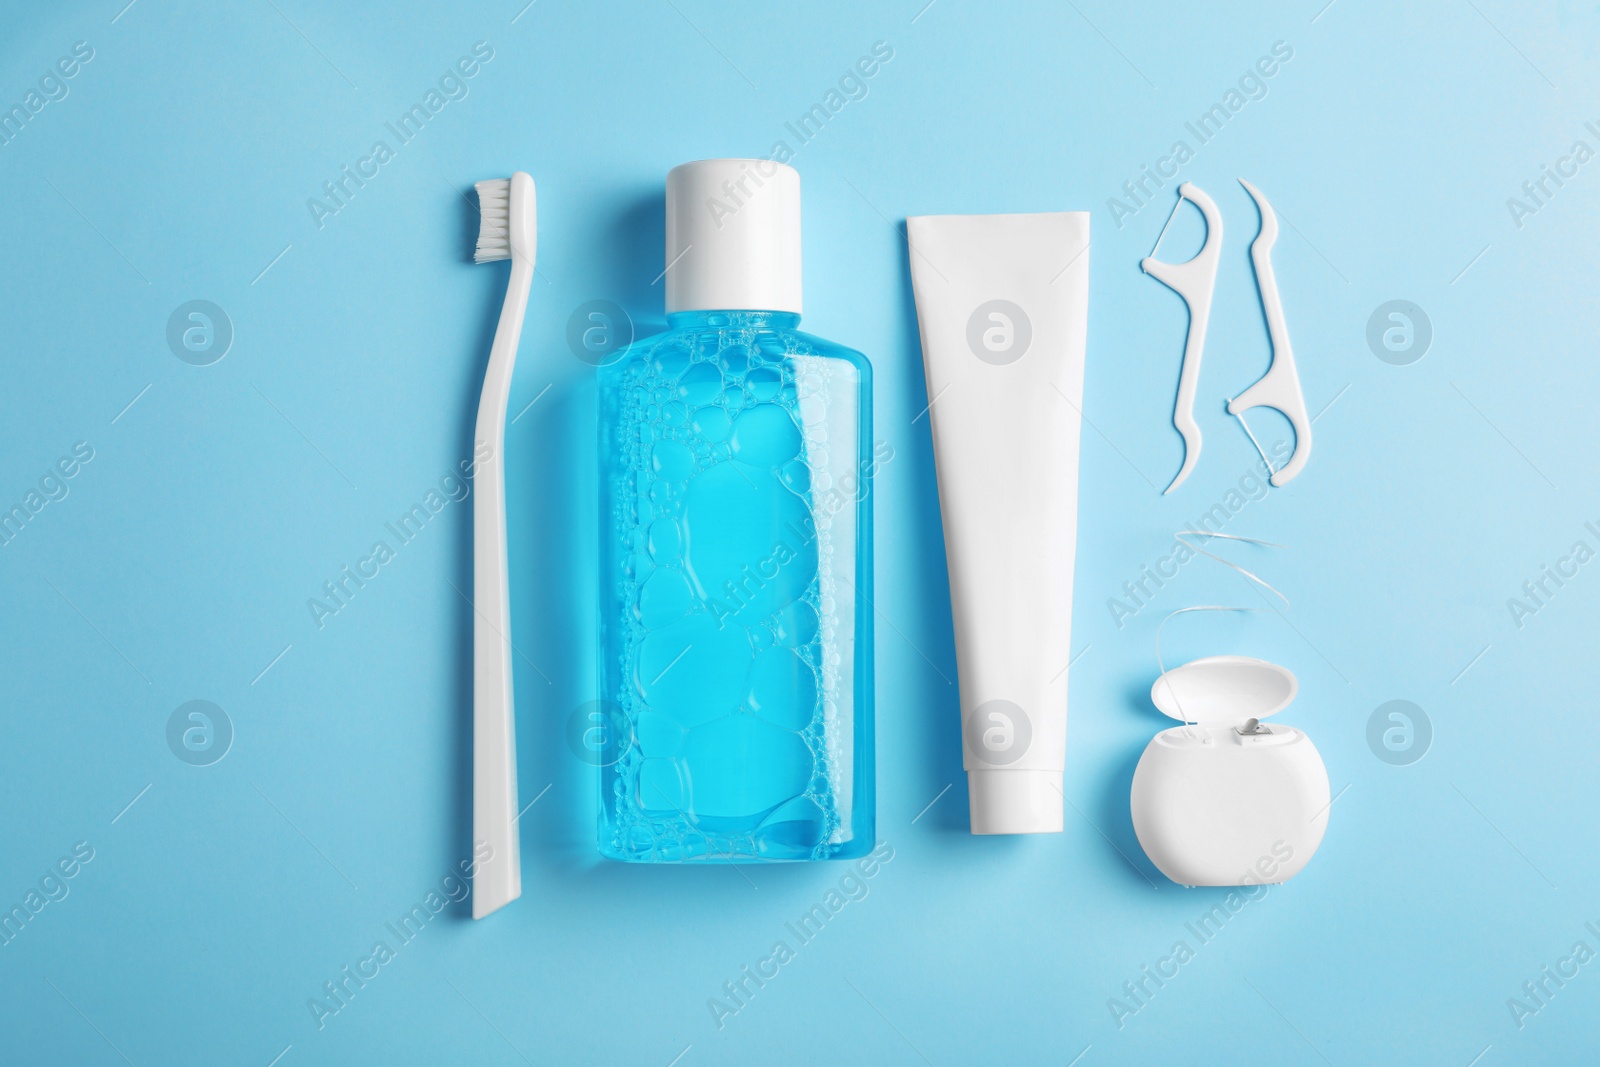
[(661, 787), (797, 624), (713, 424), (665, 541), (783, 689), (797, 476), (700, 384), (665, 597), (671, 360), (766, 436), (681, 669), (773, 765), (749, 546), (764, 383), (658, 735), (797, 823), (672, 460), (661, 494)]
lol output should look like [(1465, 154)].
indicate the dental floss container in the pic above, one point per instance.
[(1226, 799)]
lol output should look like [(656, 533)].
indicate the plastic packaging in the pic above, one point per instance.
[(736, 465), (1226, 799), (1002, 303)]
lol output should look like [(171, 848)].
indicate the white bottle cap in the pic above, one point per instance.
[(1015, 802), (733, 236)]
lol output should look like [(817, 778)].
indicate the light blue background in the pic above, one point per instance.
[(180, 563)]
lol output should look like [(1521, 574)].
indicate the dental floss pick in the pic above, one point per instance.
[(1196, 282), (1279, 388)]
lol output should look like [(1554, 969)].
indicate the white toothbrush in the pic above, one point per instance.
[(505, 231)]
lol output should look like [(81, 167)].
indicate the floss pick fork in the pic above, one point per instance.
[(1279, 388), (1196, 282)]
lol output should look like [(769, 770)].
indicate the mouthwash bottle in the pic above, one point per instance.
[(736, 461)]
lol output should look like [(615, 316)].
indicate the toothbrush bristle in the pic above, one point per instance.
[(494, 210)]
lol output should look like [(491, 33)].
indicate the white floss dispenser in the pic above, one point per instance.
[(1226, 799)]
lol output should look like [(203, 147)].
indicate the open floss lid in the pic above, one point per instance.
[(1223, 690), (1228, 802)]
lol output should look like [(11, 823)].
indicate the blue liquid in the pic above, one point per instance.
[(736, 639)]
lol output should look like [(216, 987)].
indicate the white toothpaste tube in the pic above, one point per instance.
[(1002, 304)]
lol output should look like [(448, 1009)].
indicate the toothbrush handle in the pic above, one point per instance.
[(498, 879)]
